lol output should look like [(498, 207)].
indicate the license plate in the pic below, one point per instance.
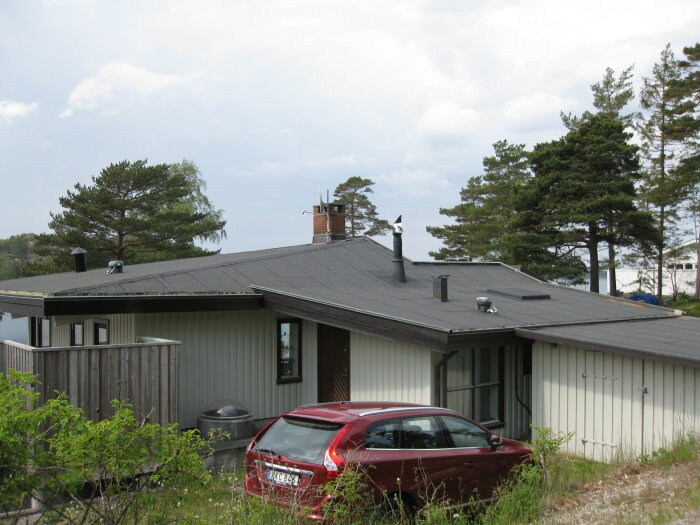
[(283, 478)]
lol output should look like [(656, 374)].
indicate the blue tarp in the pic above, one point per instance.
[(646, 297)]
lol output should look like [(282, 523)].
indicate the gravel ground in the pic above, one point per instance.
[(636, 495)]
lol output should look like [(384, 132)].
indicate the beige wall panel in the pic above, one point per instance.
[(232, 355), (623, 406), (383, 370), (122, 328)]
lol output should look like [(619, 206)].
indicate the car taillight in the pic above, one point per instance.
[(332, 460)]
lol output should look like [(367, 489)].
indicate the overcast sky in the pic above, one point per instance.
[(274, 100)]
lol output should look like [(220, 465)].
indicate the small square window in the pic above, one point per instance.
[(100, 334), (76, 334), (288, 350)]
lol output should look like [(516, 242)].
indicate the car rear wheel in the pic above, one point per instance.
[(398, 507)]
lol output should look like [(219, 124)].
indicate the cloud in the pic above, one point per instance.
[(10, 110), (119, 78), (416, 182), (447, 119)]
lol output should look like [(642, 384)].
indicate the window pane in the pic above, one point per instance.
[(421, 433), (459, 369), (465, 434), (488, 404), (101, 333), (289, 350), (487, 365), (460, 401), (298, 439), (45, 332), (384, 434), (76, 331)]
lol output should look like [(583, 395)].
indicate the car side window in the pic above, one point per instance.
[(421, 432), (465, 434), (384, 434)]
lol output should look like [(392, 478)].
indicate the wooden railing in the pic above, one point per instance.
[(143, 374)]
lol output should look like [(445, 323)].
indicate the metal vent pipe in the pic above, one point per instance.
[(399, 273)]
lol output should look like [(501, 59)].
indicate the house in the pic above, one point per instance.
[(679, 275), (347, 318)]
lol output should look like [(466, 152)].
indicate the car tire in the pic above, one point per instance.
[(398, 508)]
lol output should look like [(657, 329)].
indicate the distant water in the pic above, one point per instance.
[(13, 329)]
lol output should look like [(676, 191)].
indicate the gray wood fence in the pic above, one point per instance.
[(145, 375)]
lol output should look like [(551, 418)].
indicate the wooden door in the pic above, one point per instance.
[(333, 364)]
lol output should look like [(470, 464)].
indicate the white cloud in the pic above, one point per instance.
[(118, 78), (10, 110), (447, 119), (416, 182)]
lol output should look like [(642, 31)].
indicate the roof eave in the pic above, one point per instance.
[(37, 305)]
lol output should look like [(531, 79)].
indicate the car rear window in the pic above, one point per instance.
[(299, 439)]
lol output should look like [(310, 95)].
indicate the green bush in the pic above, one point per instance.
[(107, 470)]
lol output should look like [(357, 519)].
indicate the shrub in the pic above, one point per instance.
[(106, 469)]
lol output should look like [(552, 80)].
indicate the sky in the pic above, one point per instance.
[(276, 101)]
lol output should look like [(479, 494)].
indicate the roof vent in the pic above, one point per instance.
[(440, 288), (484, 304), (79, 260), (115, 267)]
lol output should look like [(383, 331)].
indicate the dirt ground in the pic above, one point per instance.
[(636, 494)]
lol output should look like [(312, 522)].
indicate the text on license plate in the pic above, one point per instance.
[(283, 478)]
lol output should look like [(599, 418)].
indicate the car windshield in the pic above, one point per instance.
[(298, 439)]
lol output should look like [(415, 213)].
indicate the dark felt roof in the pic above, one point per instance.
[(675, 339), (354, 275)]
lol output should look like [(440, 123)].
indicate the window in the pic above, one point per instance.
[(420, 432), (40, 328), (475, 384), (76, 334), (465, 434), (100, 334), (288, 350)]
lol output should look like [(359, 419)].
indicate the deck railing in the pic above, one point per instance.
[(144, 374)]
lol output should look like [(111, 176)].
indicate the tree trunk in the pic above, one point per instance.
[(660, 258), (697, 268), (593, 255), (612, 276)]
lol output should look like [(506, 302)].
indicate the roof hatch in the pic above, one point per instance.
[(520, 293)]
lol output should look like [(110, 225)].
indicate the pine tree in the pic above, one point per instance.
[(135, 213), (689, 168), (583, 193), (664, 133), (361, 217), (484, 212)]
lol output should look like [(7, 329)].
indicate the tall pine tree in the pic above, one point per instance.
[(582, 194), (482, 216), (663, 130)]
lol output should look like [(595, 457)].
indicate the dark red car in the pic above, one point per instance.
[(415, 452)]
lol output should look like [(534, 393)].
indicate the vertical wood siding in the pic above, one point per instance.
[(232, 355), (516, 392), (144, 375), (122, 328), (616, 406), (383, 370)]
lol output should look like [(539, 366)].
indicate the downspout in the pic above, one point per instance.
[(441, 393)]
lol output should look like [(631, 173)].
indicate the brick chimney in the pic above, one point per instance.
[(329, 222)]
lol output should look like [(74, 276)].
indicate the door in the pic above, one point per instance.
[(333, 364)]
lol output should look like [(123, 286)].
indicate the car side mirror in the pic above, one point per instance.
[(496, 441)]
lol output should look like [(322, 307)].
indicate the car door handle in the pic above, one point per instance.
[(469, 464)]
